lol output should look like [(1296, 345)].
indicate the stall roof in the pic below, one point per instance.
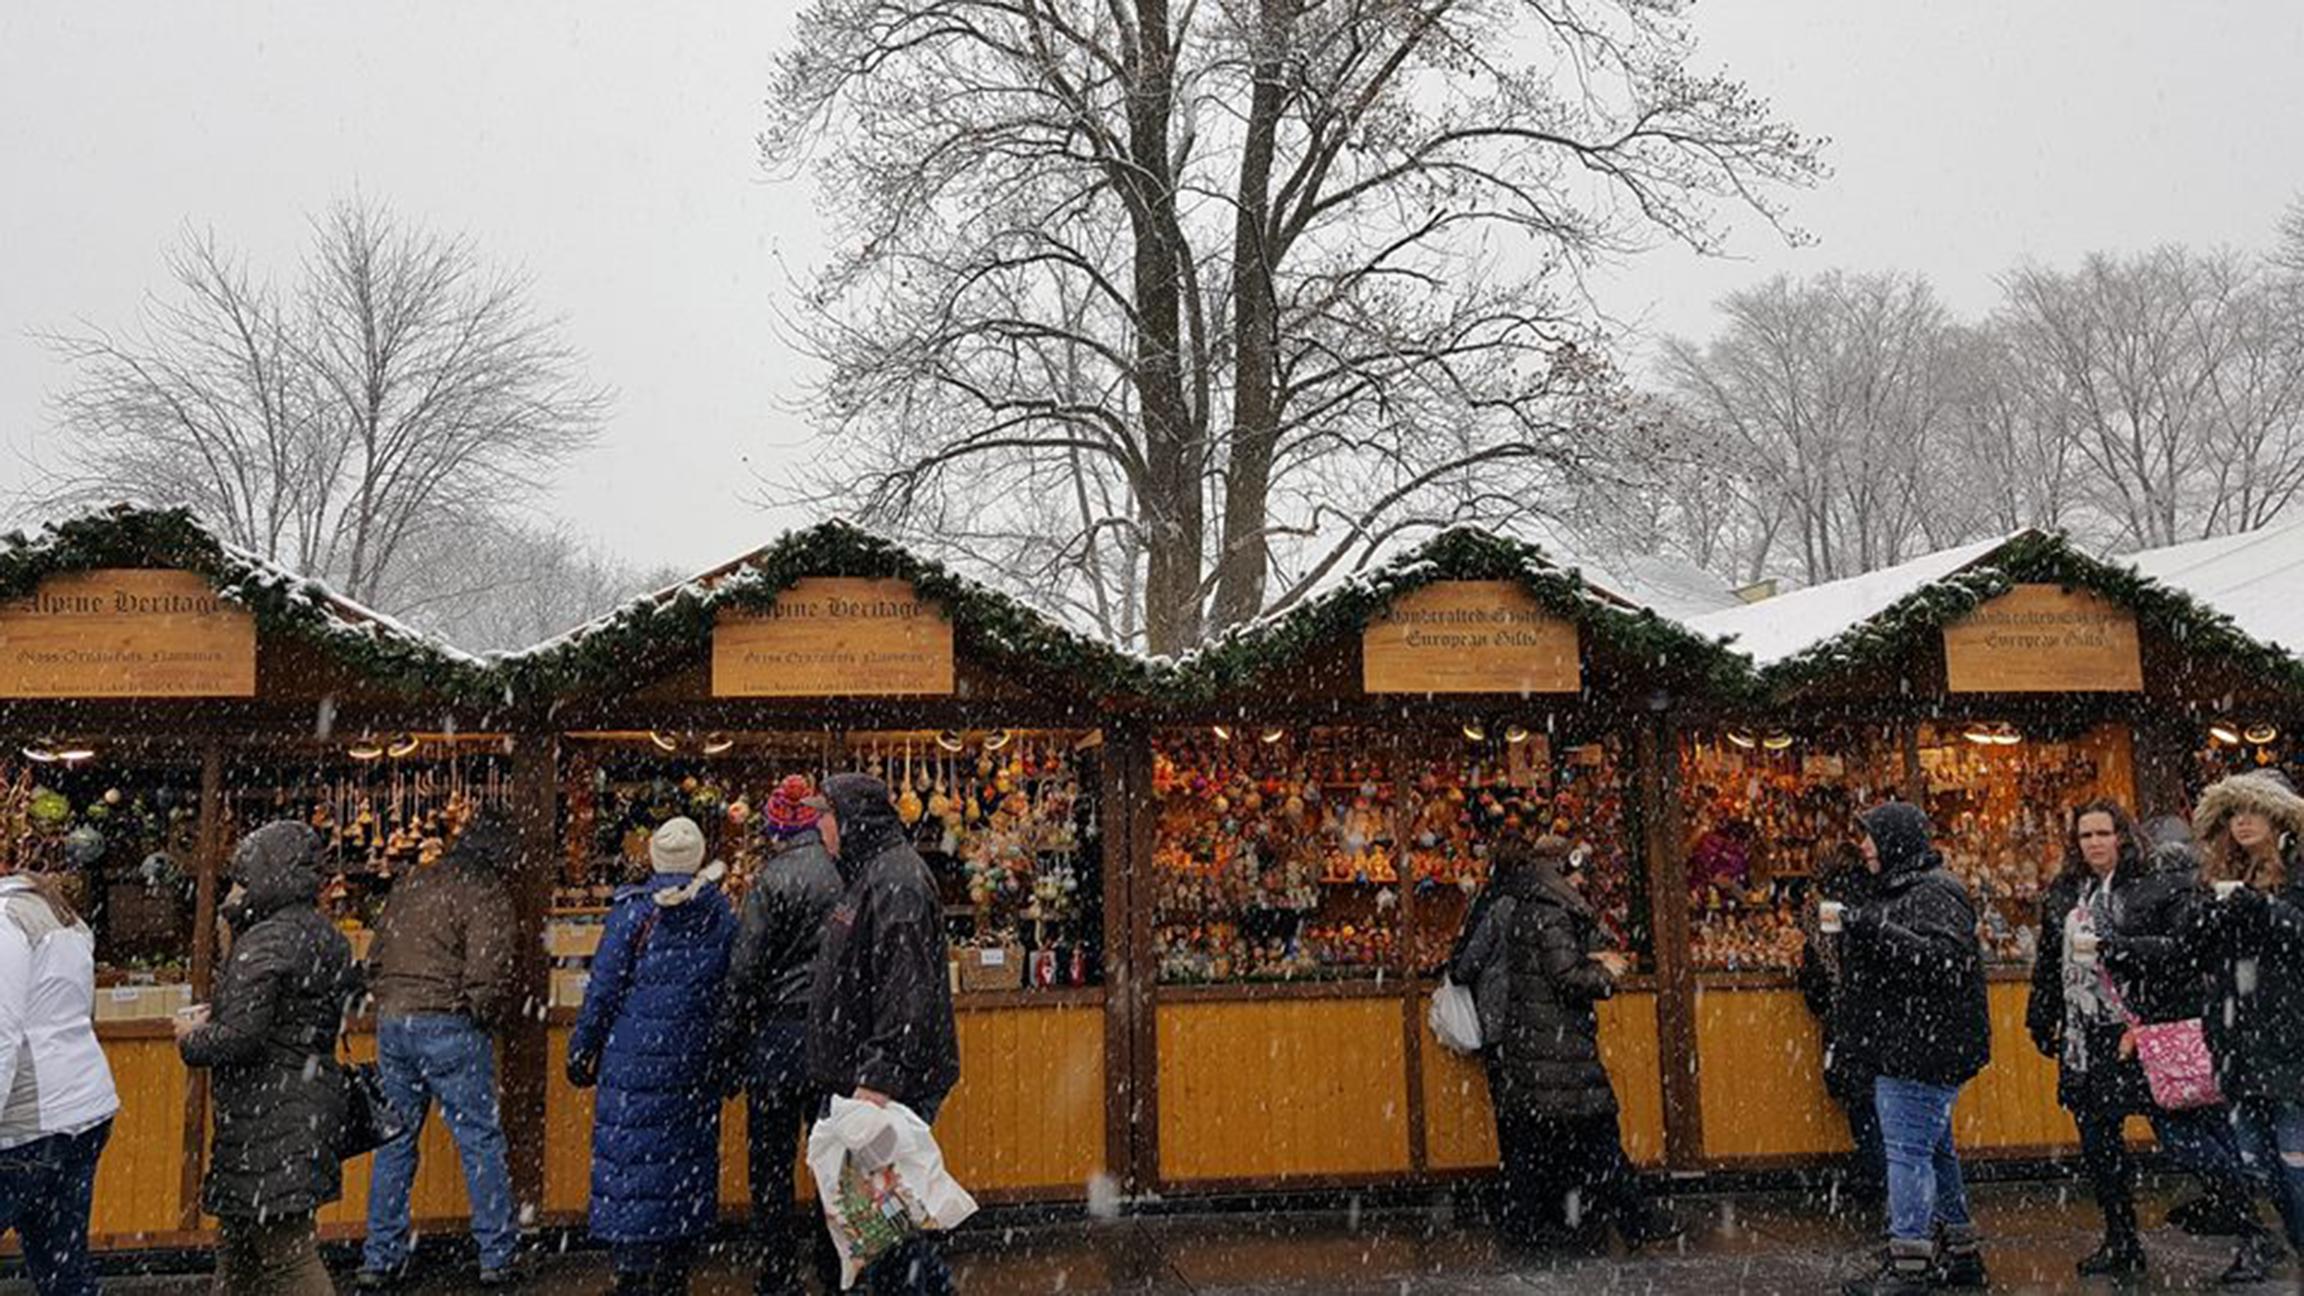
[(283, 602), (1238, 657), (658, 627), (1789, 624), (2254, 578)]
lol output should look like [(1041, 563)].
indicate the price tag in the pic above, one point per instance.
[(127, 994), (993, 957)]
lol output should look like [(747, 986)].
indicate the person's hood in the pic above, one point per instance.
[(278, 867), (868, 820), (672, 890), (487, 845), (1899, 833), (1540, 878), (2166, 830), (2266, 792)]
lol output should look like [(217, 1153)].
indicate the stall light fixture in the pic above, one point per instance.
[(1516, 734), (1742, 739), (404, 745), (2225, 732), (664, 742), (997, 739), (1474, 731), (75, 753), (40, 750), (951, 740), (1271, 735), (51, 751), (1979, 734), (716, 743), (2261, 735), (1223, 732), (365, 748), (2001, 734), (1777, 741)]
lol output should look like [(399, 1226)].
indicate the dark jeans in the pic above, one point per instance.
[(1924, 1184), (272, 1257), (46, 1187), (2202, 1142), (454, 1061), (1867, 1173), (2111, 1170), (777, 1100), (2271, 1138)]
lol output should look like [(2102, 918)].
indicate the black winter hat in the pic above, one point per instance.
[(1899, 832)]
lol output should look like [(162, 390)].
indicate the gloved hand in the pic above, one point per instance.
[(583, 1069)]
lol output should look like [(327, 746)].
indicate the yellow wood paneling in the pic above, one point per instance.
[(438, 1197), (1762, 1087), (1282, 1088), (139, 1183), (1460, 1127)]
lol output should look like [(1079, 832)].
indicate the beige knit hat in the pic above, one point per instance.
[(677, 847)]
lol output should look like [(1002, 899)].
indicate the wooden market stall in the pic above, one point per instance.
[(1324, 787), (160, 693), (1997, 686), (831, 650)]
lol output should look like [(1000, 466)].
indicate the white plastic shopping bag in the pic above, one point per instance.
[(881, 1178), (1455, 1018)]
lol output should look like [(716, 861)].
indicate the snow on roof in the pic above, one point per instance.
[(1669, 587), (1775, 629), (2254, 578)]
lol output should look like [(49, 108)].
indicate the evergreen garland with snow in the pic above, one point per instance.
[(281, 601)]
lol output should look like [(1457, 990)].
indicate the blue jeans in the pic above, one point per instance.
[(449, 1059), (2271, 1138), (1924, 1185), (46, 1187)]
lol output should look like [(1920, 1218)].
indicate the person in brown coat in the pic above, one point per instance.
[(441, 972)]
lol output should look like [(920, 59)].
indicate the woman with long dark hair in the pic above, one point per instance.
[(56, 1096)]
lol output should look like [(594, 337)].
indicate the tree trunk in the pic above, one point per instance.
[(1241, 567)]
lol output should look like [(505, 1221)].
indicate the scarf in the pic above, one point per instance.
[(2088, 1003)]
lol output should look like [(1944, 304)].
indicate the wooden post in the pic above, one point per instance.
[(1116, 809), (208, 865), (1139, 1105), (1656, 749), (536, 819), (1915, 777)]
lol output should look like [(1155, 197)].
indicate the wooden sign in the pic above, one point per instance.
[(2044, 639), (1469, 637), (126, 634), (834, 637)]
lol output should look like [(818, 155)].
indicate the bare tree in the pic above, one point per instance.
[(401, 388), (497, 583), (1241, 291)]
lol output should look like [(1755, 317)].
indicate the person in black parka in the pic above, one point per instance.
[(1913, 1010), (269, 1044), (1537, 965), (1843, 880)]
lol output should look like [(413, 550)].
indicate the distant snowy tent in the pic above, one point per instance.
[(2254, 578)]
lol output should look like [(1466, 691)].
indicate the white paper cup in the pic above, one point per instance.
[(2227, 889), (2084, 948), (1831, 916)]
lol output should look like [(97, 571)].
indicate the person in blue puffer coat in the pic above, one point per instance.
[(641, 1036)]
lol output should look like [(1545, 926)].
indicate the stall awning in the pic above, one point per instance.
[(1787, 625)]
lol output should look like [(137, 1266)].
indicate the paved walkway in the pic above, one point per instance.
[(1757, 1243)]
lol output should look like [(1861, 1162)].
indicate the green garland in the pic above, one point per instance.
[(650, 633), (1678, 658), (283, 603), (2032, 557)]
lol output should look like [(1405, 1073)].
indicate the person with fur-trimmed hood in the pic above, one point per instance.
[(2251, 935)]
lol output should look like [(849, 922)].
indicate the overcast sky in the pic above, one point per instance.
[(609, 150)]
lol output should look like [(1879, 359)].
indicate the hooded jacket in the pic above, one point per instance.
[(53, 1075), (270, 1042), (2144, 956), (1542, 1036), (444, 942), (880, 1007), (773, 969), (1913, 1003), (643, 1034), (1820, 976), (2253, 945)]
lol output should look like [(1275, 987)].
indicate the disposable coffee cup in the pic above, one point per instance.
[(2084, 948), (2227, 889), (191, 1013), (1831, 916)]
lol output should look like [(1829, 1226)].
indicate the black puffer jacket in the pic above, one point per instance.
[(1819, 977), (271, 1041), (1912, 1003), (880, 1005), (1545, 1058), (2254, 947), (773, 968), (2145, 957)]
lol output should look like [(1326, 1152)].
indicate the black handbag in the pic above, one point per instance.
[(370, 1121)]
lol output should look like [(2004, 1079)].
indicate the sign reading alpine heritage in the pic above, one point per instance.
[(2044, 639), (126, 634), (1469, 637), (834, 637)]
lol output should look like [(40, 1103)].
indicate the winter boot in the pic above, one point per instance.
[(2119, 1257), (1648, 1225), (1959, 1260), (1905, 1270), (2254, 1261)]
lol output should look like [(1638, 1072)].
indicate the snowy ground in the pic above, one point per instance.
[(1741, 1244)]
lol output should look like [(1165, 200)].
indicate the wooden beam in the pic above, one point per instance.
[(1656, 753), (1116, 812), (526, 1042), (208, 866)]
